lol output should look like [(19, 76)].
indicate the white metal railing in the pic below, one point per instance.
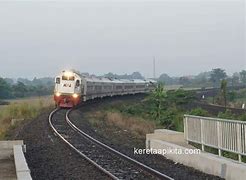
[(222, 134)]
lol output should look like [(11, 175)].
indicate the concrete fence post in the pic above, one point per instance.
[(239, 142), (202, 134), (219, 137), (186, 129)]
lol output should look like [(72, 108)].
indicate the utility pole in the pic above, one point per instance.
[(154, 75)]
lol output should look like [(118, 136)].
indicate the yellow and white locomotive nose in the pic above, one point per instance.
[(67, 89)]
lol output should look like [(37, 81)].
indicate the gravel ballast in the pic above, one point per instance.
[(49, 158)]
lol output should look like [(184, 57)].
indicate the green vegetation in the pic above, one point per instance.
[(157, 101), (164, 108), (206, 79), (217, 75), (199, 112), (226, 115), (223, 91), (14, 113), (134, 75), (243, 76), (229, 115), (228, 98), (25, 88)]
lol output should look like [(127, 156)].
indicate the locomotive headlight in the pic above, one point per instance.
[(75, 95), (58, 94), (68, 73)]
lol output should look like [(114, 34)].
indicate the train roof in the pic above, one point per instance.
[(93, 78), (109, 80)]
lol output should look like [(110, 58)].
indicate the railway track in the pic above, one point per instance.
[(111, 162)]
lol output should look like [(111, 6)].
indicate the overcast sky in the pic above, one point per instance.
[(186, 37)]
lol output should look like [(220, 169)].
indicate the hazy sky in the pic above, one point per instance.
[(186, 37)]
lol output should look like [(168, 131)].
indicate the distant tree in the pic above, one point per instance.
[(201, 78), (19, 90), (136, 75), (217, 75), (235, 79), (203, 75), (9, 81), (223, 90), (184, 80), (24, 81), (25, 87), (243, 76), (5, 89), (37, 82), (164, 78), (109, 75)]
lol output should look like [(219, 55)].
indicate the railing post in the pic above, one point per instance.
[(231, 135), (202, 140), (239, 142), (219, 135), (186, 129)]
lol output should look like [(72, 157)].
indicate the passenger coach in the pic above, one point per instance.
[(71, 88)]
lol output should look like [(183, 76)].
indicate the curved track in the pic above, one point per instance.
[(111, 162)]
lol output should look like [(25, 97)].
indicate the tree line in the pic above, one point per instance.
[(206, 79), (44, 86), (25, 88)]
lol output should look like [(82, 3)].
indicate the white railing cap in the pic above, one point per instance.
[(215, 119)]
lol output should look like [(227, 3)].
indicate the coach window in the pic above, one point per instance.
[(77, 83), (58, 80)]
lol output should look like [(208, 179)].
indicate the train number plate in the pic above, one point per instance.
[(67, 85)]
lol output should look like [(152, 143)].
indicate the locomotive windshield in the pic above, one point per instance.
[(68, 78)]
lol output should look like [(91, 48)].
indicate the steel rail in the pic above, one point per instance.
[(141, 165), (76, 150)]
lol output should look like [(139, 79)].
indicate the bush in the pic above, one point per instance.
[(167, 117), (199, 112), (131, 109), (232, 96), (172, 118), (180, 97), (227, 115), (243, 117)]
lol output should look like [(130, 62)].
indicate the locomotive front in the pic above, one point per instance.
[(67, 91)]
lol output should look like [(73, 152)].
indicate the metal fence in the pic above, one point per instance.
[(222, 134)]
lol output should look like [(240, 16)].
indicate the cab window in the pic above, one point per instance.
[(68, 78), (77, 83), (58, 80)]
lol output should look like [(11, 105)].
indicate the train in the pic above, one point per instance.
[(72, 88)]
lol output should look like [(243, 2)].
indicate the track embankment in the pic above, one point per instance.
[(49, 158)]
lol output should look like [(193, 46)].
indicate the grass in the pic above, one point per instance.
[(22, 109), (136, 125), (142, 111)]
